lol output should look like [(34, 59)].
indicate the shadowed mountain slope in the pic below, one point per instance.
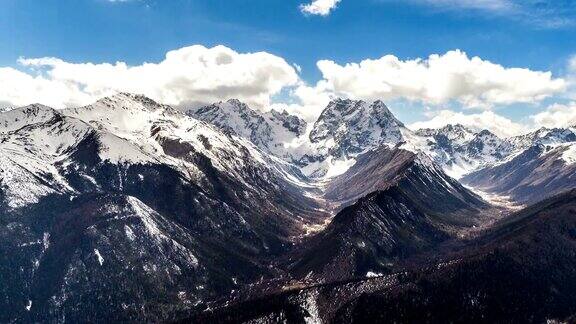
[(523, 271)]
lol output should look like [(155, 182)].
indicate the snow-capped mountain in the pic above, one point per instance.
[(273, 131), (543, 136), (160, 213), (33, 140), (348, 128), (532, 175), (460, 150), (213, 198), (345, 129), (454, 134)]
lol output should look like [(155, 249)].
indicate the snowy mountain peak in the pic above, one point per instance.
[(459, 149), (349, 127), (456, 129), (486, 135), (353, 113), (293, 123), (271, 131), (123, 114), (544, 136), (235, 116), (237, 104), (457, 133), (126, 100), (19, 117)]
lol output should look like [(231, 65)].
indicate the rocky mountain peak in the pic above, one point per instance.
[(128, 101), (348, 127), (270, 130), (353, 112), (28, 115), (456, 133), (544, 136), (486, 135)]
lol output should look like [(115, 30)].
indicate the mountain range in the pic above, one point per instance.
[(131, 210)]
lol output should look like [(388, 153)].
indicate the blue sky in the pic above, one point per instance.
[(532, 34)]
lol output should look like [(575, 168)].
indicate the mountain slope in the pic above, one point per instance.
[(237, 205), (385, 167), (108, 247), (407, 207), (523, 271), (539, 172)]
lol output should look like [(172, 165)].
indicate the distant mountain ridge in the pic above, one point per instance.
[(537, 172), (348, 128)]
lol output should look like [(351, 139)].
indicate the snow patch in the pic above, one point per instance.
[(99, 256), (569, 155), (28, 306), (129, 233), (371, 274), (311, 305)]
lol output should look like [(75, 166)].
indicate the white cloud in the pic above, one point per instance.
[(556, 116), (18, 88), (489, 120), (319, 7), (453, 76), (194, 74)]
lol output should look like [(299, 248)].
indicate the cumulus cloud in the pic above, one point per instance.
[(439, 79), (18, 88), (194, 74), (556, 116), (489, 120), (319, 7)]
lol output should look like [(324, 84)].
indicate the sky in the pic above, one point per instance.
[(506, 65)]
